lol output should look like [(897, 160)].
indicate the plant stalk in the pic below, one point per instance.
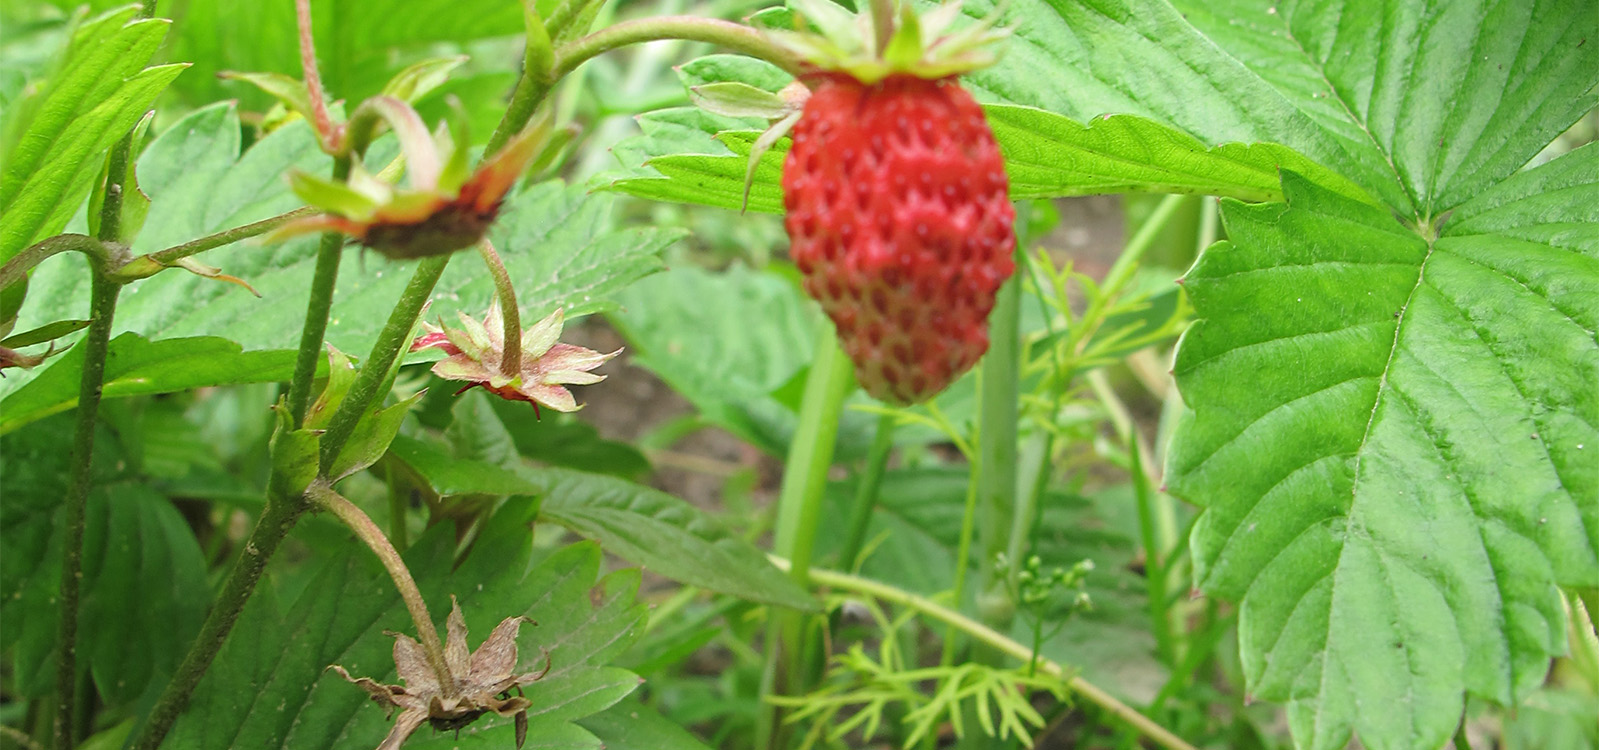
[(369, 533), (799, 510), (103, 305), (392, 340), (317, 311), (866, 492), (996, 640), (511, 354), (736, 37), (17, 268)]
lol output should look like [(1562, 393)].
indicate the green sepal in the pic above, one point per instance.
[(831, 20), (454, 139), (371, 437), (332, 196), (738, 99), (46, 332), (341, 375), (904, 48), (135, 204), (761, 146), (418, 79), (291, 92), (295, 453), (540, 54)]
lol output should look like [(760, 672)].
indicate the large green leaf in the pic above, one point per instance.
[(137, 366), (1395, 439), (360, 43), (269, 688), (725, 341), (144, 590), (558, 243), (1435, 101), (664, 534), (52, 142)]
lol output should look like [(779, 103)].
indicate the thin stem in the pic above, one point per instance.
[(17, 268), (103, 306), (375, 370), (228, 236), (799, 511), (736, 37), (1154, 562), (313, 79), (996, 448), (866, 491), (998, 641), (963, 556), (317, 310), (511, 355), (369, 533), (276, 520)]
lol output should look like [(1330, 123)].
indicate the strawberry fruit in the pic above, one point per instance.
[(895, 191), (900, 223)]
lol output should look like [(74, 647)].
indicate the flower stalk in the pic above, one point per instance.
[(317, 312), (368, 532), (511, 359)]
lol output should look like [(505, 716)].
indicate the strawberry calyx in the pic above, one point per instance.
[(890, 38)]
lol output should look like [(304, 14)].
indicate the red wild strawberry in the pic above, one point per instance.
[(894, 189), (899, 221)]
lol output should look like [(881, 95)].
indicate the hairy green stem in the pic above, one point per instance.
[(799, 510), (996, 448), (392, 340), (103, 306), (866, 491), (369, 533), (327, 133), (17, 268), (511, 354), (1154, 560), (733, 36), (161, 259), (276, 520), (317, 311), (999, 642)]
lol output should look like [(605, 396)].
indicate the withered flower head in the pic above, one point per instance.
[(445, 208), (483, 681), (548, 366)]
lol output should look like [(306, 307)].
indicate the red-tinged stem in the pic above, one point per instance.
[(313, 79)]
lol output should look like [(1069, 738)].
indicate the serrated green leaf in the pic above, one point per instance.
[(1441, 100), (664, 534), (277, 654), (37, 203), (1355, 448), (632, 725), (1048, 156), (138, 366), (694, 329), (449, 475), (144, 589)]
